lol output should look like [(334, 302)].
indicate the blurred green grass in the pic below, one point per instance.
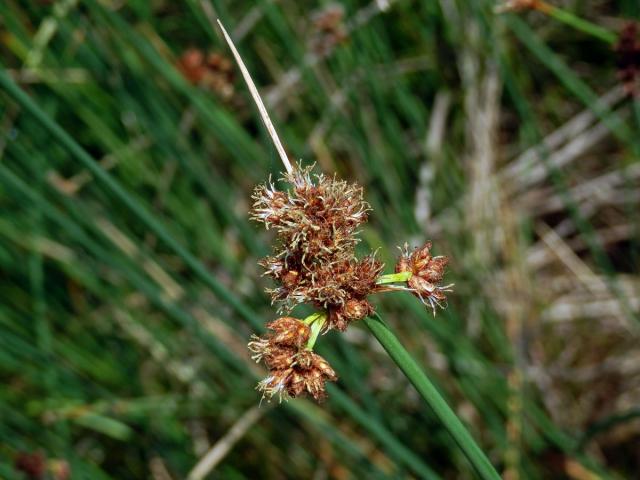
[(128, 296)]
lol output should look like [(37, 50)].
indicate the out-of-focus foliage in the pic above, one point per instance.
[(505, 139)]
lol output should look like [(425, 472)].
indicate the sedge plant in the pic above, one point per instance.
[(316, 220)]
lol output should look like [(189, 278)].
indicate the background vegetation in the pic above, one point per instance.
[(127, 297)]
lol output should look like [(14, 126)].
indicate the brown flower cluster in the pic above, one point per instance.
[(628, 58), (36, 466), (212, 71), (294, 369), (427, 273), (316, 221), (314, 262), (328, 29)]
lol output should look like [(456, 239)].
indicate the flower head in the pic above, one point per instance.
[(317, 217), (289, 334), (427, 273), (314, 262), (316, 221), (289, 331), (293, 367), (328, 29), (212, 71), (308, 375)]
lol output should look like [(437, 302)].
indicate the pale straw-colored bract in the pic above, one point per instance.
[(259, 103)]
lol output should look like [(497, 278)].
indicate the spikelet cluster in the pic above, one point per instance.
[(316, 220), (212, 71), (328, 29), (314, 261), (427, 273), (294, 370)]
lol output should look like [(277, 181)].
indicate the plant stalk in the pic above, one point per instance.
[(316, 327), (432, 397), (393, 278)]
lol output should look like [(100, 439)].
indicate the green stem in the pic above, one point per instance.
[(430, 394), (579, 23), (318, 322), (393, 278), (312, 318)]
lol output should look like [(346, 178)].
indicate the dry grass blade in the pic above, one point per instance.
[(215, 455)]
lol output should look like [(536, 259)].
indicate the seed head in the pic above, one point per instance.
[(307, 375), (316, 221), (212, 71), (427, 273), (316, 218), (289, 331), (341, 316), (328, 29), (357, 309)]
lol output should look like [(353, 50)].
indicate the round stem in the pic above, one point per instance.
[(393, 278), (312, 318), (432, 397), (317, 322)]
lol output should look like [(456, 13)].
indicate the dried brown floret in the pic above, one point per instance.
[(280, 358), (427, 273), (289, 331), (341, 316), (308, 374), (327, 284), (329, 29), (272, 354), (357, 309), (365, 274), (317, 219), (316, 222), (213, 71)]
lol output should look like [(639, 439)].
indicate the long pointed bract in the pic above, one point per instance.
[(256, 98)]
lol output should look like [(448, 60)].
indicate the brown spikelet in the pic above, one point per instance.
[(289, 331), (212, 71), (328, 29), (296, 374), (427, 272)]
